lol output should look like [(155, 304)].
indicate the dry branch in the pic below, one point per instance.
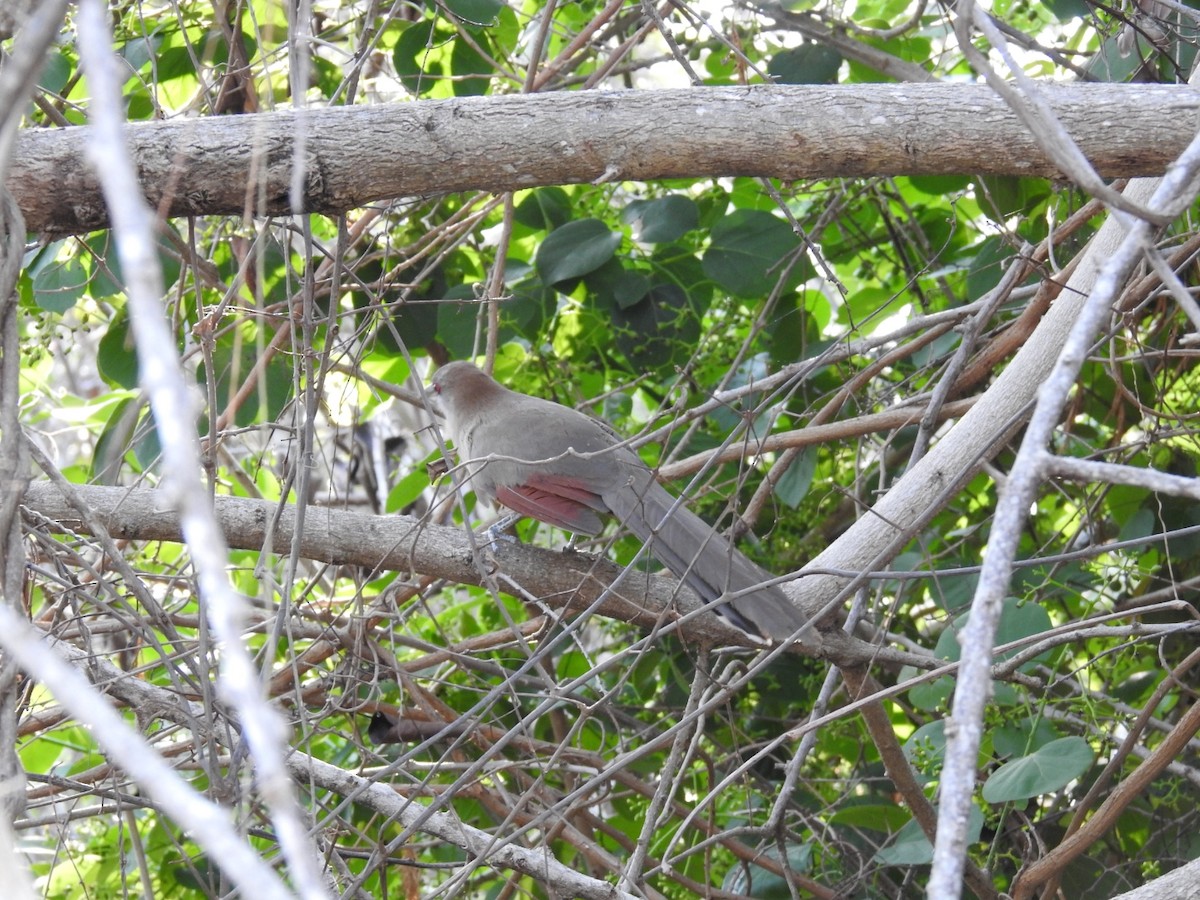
[(403, 544), (352, 156), (156, 702)]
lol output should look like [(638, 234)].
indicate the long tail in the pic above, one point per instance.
[(702, 558)]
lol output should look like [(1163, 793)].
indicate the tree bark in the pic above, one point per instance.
[(352, 156), (559, 580)]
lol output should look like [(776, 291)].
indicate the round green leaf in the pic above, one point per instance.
[(748, 252), (1002, 196), (662, 221), (476, 12), (986, 269), (939, 185), (545, 209), (409, 488), (58, 286), (139, 51), (412, 57), (912, 848), (872, 816), (575, 249), (680, 266), (928, 741), (147, 447), (1049, 768), (806, 64), (931, 695), (616, 287), (105, 246), (176, 62)]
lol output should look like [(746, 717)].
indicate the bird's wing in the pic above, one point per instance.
[(564, 502)]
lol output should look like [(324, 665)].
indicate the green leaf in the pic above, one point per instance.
[(59, 285), (868, 304), (457, 323), (1003, 196), (794, 485), (806, 64), (940, 185), (930, 695), (526, 309), (1017, 620), (927, 742), (659, 330), (1049, 768), (233, 358), (178, 62), (954, 592), (116, 438), (912, 848), (728, 417), (104, 246), (748, 252), (754, 881), (986, 268), (872, 816), (794, 329), (1065, 10), (56, 72), (662, 221), (409, 488), (471, 70), (1023, 736), (575, 249), (139, 51), (617, 287), (414, 54), (476, 12), (41, 752), (115, 357), (1134, 687), (544, 209), (680, 266), (147, 447)]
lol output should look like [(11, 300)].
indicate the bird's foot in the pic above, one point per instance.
[(500, 531)]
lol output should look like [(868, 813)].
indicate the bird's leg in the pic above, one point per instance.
[(499, 530)]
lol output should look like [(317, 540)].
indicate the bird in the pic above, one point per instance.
[(557, 465)]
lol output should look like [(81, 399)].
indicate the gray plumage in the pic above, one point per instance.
[(557, 465)]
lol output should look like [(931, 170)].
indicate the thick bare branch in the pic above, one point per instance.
[(353, 156), (404, 544)]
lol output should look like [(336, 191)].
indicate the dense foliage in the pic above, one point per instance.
[(631, 757)]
